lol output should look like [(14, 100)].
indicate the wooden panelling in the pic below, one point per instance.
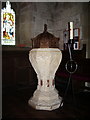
[(17, 69)]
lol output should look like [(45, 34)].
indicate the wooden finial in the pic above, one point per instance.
[(45, 27)]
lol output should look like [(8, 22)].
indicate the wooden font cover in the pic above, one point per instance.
[(45, 40)]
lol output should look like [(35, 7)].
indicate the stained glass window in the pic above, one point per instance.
[(7, 25)]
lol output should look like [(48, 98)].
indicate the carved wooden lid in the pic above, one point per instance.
[(45, 40)]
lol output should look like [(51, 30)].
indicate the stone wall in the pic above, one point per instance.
[(88, 46), (33, 16), (76, 12), (56, 15)]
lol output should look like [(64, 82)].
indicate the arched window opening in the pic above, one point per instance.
[(7, 25)]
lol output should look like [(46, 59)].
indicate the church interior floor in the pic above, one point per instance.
[(15, 105)]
